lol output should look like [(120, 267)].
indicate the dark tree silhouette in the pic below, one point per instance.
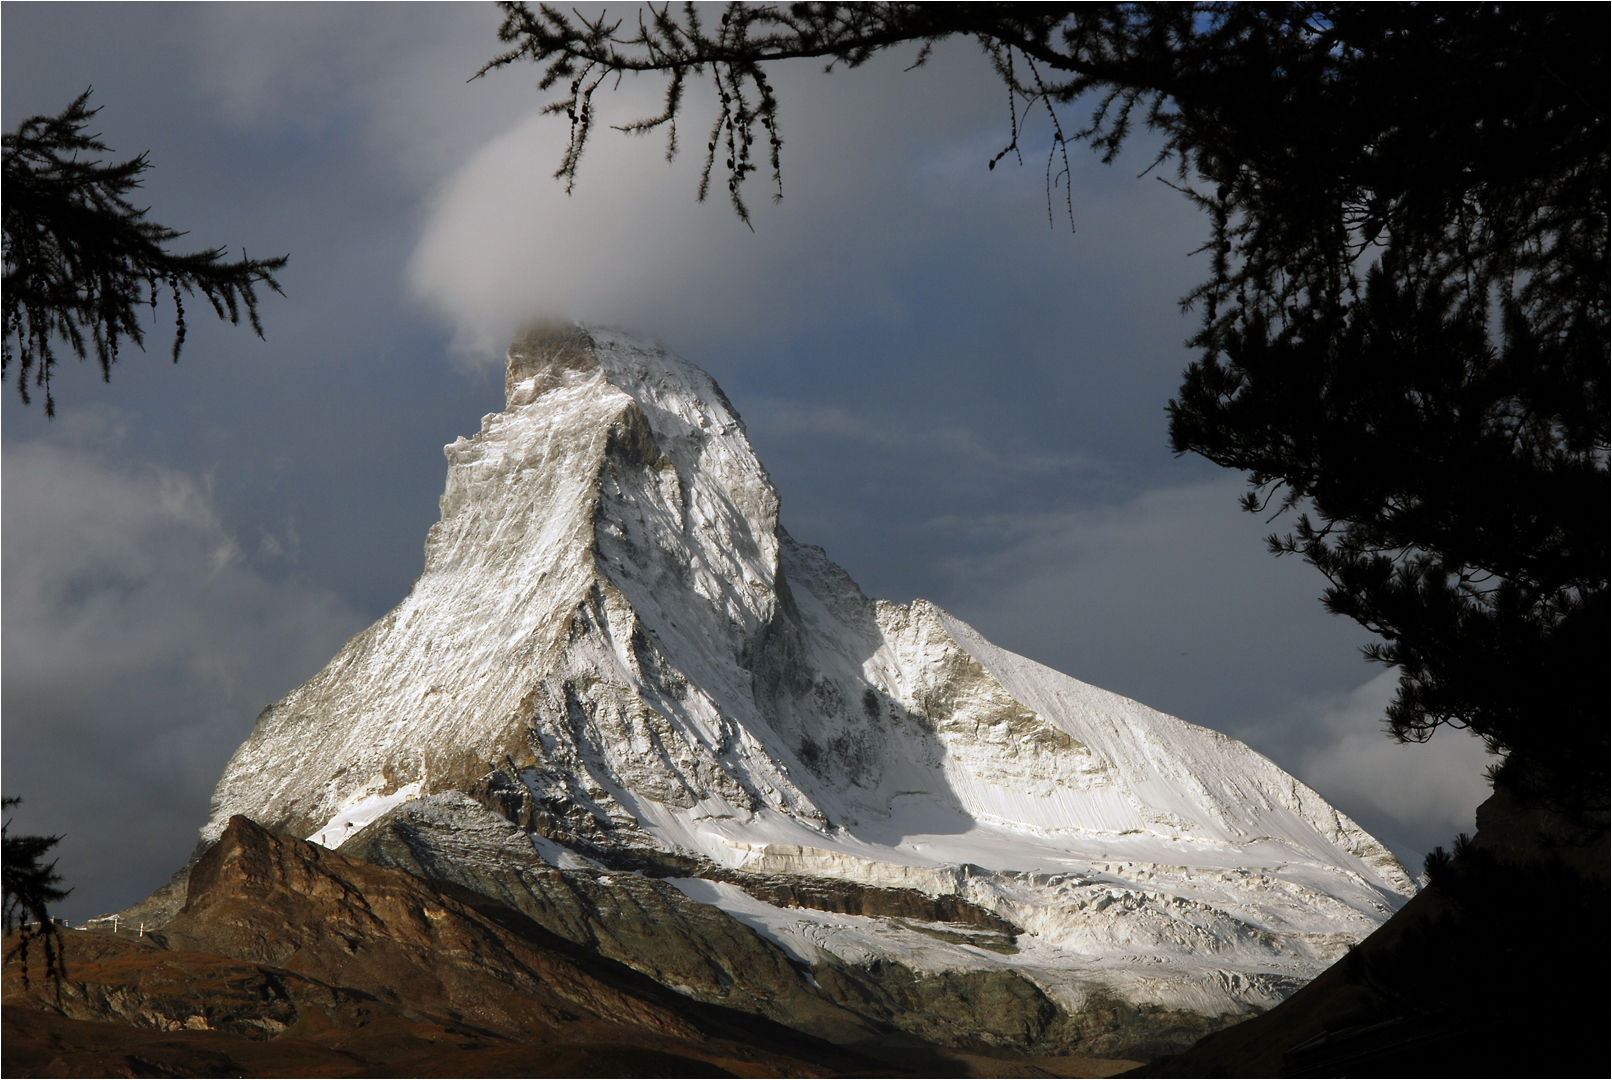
[(1403, 334), (30, 889), (80, 259), (1446, 990)]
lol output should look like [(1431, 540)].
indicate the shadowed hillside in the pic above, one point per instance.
[(1498, 968)]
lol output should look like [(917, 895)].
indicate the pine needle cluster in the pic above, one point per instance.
[(30, 889), (81, 260)]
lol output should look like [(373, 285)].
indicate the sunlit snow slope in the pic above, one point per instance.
[(611, 613)]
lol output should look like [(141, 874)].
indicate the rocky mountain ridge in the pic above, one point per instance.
[(620, 685)]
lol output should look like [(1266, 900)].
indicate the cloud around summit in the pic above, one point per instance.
[(863, 187)]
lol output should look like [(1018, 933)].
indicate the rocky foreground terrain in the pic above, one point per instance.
[(292, 960)]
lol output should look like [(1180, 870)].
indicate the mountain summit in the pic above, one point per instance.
[(623, 700)]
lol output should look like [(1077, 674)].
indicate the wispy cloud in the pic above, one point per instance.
[(896, 432), (865, 190), (1416, 795), (140, 641)]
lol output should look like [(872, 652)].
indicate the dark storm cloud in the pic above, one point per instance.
[(957, 398)]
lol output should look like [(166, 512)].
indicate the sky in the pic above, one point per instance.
[(958, 391)]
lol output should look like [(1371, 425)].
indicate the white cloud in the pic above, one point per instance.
[(140, 641), (629, 246), (1417, 794), (884, 179)]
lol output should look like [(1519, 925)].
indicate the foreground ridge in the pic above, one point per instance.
[(290, 960), (616, 659)]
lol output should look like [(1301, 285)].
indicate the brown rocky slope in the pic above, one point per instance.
[(288, 959)]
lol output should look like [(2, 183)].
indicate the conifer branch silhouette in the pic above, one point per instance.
[(81, 260)]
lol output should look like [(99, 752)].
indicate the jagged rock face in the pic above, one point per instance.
[(616, 646)]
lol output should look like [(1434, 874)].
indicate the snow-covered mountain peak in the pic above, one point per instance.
[(615, 644)]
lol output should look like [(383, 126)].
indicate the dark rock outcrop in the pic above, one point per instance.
[(502, 792), (646, 923), (639, 921)]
